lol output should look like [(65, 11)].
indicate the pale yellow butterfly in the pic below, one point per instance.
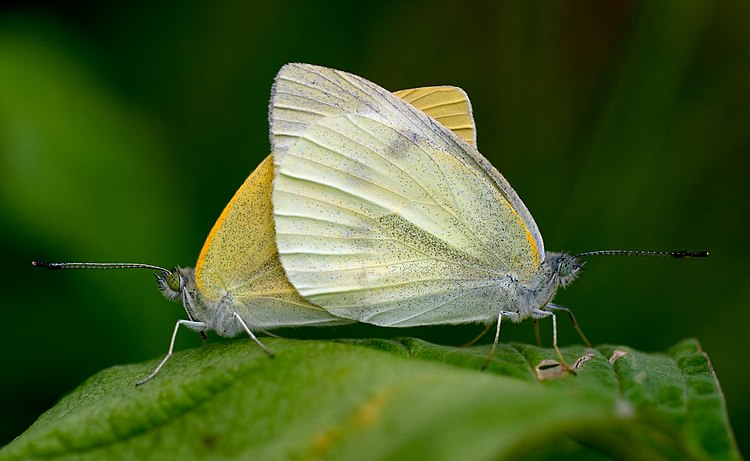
[(238, 284), (387, 217)]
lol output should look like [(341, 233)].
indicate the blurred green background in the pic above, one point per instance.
[(125, 130)]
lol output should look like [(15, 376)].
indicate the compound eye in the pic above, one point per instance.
[(568, 266), (173, 280), (568, 269)]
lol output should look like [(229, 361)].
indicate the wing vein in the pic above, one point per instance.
[(375, 266), (433, 307)]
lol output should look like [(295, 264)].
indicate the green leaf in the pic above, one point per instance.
[(386, 399)]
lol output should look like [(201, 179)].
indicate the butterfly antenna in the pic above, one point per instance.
[(658, 254), (61, 266)]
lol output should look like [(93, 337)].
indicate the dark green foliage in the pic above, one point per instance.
[(390, 399)]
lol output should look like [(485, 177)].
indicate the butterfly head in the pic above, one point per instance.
[(178, 284), (568, 268), (171, 283)]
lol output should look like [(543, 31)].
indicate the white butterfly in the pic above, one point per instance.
[(387, 217)]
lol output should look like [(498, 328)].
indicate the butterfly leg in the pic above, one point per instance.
[(555, 307), (538, 313), (537, 334), (188, 323), (479, 336), (250, 333), (513, 316)]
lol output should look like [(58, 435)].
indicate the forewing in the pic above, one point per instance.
[(240, 257), (376, 223), (304, 94)]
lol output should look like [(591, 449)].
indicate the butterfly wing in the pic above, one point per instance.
[(239, 257), (448, 105), (385, 216), (303, 94)]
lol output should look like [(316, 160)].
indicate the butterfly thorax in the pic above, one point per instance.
[(180, 284), (557, 270)]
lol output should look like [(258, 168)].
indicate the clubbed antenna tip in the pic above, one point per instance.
[(691, 254)]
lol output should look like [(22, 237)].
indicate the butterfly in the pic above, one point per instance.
[(386, 216)]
